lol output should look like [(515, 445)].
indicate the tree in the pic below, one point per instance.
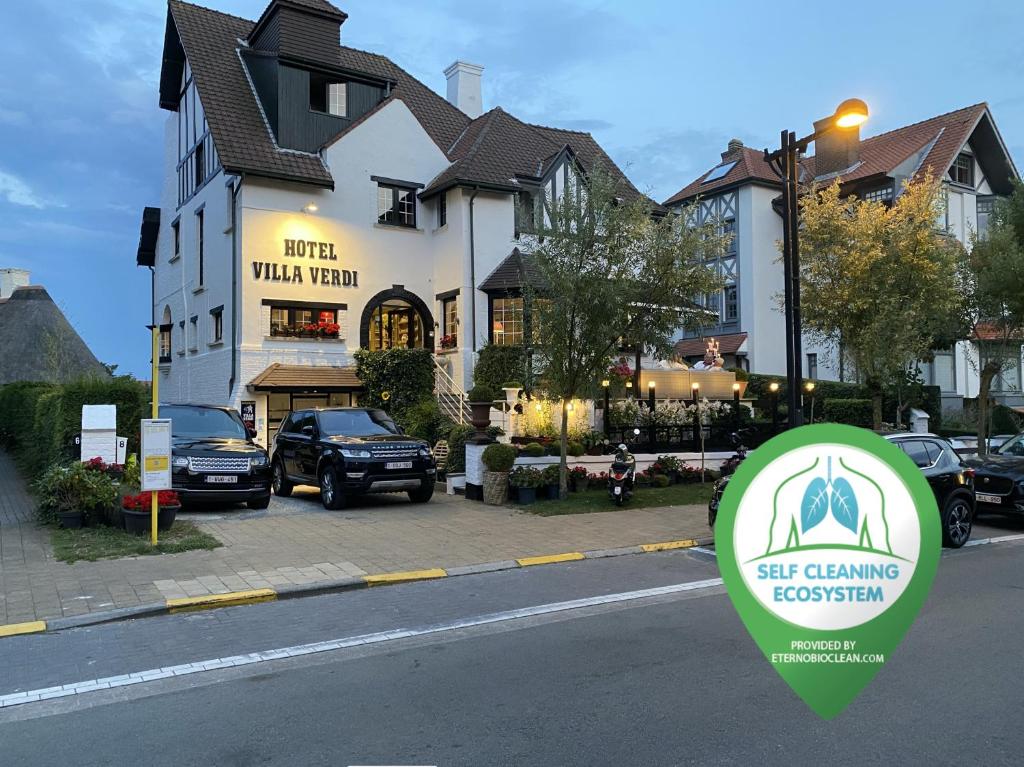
[(992, 275), (879, 282), (610, 269)]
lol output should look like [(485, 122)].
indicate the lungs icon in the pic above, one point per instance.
[(824, 495)]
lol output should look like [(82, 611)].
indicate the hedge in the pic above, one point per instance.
[(40, 421), (395, 379), (497, 365), (855, 412)]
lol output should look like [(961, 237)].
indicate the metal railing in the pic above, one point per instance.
[(451, 399)]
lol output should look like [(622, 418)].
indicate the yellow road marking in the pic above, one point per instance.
[(546, 560), (14, 629), (221, 600), (666, 545), (411, 575)]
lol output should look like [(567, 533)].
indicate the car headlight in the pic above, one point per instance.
[(425, 452), (348, 453), (179, 462), (259, 460)]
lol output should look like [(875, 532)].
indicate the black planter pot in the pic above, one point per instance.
[(165, 517), (526, 495), (551, 492), (72, 520), (137, 522), (582, 485)]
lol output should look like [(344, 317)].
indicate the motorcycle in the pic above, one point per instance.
[(728, 469), (620, 478)]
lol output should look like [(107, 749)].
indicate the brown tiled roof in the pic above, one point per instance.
[(243, 140), (696, 347), (514, 273), (942, 136), (750, 166), (489, 150), (317, 377)]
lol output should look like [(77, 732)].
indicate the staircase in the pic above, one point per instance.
[(451, 399)]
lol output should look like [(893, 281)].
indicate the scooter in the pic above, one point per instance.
[(728, 469), (620, 478)]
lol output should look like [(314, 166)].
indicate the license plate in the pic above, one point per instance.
[(989, 498), (222, 479), (618, 490), (398, 465)]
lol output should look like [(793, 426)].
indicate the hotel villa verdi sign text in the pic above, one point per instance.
[(306, 273)]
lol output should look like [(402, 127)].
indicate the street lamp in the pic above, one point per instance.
[(785, 162), (605, 415)]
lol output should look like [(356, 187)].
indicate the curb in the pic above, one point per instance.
[(296, 590)]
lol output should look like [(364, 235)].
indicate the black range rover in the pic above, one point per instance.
[(214, 458), (350, 451)]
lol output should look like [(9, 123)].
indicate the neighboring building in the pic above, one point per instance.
[(311, 183), (963, 148), (37, 343)]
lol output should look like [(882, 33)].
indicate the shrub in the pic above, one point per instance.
[(405, 375), (550, 474), (457, 447), (17, 410), (533, 450), (575, 449), (496, 364), (73, 488), (1004, 420), (660, 480), (669, 463), (481, 393), (855, 412), (425, 421), (512, 385), (499, 457), (740, 373)]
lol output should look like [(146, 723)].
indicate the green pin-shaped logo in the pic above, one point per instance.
[(828, 540)]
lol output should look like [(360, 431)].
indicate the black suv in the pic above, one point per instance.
[(951, 479), (349, 451), (214, 458), (1000, 477)]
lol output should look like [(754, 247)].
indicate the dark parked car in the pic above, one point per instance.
[(350, 451), (949, 476), (214, 458), (951, 479), (1000, 478)]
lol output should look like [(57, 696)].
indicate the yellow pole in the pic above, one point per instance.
[(154, 508)]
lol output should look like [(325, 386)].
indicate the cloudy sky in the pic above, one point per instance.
[(662, 85)]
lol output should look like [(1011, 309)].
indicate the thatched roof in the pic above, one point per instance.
[(37, 343)]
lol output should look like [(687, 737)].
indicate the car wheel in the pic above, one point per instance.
[(259, 503), (330, 490), (282, 487), (712, 515), (423, 493), (956, 522)]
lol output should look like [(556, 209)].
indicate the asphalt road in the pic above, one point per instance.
[(667, 679)]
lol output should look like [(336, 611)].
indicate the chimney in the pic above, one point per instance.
[(11, 280), (837, 150), (464, 87), (735, 146)]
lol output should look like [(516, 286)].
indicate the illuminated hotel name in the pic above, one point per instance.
[(318, 275)]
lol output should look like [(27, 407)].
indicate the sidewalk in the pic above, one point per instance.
[(296, 542)]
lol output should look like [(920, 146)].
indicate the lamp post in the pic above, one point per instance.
[(653, 432), (736, 406), (697, 427), (810, 393), (606, 417), (773, 390), (785, 162)]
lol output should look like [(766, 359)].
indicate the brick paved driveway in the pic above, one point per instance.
[(296, 541)]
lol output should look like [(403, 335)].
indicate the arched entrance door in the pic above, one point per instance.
[(396, 318)]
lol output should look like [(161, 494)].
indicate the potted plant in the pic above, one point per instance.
[(511, 389), (331, 329), (526, 480), (481, 399), (73, 495), (670, 466), (597, 480), (550, 479), (448, 342), (308, 331), (580, 478), (137, 510), (498, 460)]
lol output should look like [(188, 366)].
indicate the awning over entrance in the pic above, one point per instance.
[(306, 378)]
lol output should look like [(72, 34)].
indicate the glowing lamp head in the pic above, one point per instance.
[(629, 384), (695, 386), (606, 383), (810, 386), (735, 387), (773, 387), (851, 113), (537, 407), (650, 384), (310, 207)]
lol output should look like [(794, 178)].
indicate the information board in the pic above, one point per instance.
[(156, 454)]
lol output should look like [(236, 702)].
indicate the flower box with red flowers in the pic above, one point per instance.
[(448, 342)]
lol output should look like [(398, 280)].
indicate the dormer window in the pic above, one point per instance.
[(962, 170), (328, 96)]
